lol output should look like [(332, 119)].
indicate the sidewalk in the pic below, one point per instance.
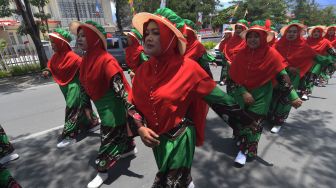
[(16, 83)]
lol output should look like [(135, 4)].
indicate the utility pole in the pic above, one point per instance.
[(76, 10)]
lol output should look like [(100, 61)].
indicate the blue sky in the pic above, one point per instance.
[(323, 3)]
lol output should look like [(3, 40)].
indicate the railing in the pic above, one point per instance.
[(18, 56)]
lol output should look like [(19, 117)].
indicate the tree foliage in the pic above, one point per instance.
[(5, 10)]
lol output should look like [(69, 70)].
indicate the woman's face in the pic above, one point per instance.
[(152, 45), (253, 40), (331, 31), (81, 40), (292, 33), (316, 33), (238, 29)]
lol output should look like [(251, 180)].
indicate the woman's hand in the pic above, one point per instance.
[(45, 74), (248, 98), (214, 64), (148, 137), (297, 103)]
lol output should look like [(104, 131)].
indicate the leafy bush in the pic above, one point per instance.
[(24, 69), (209, 45), (4, 74)]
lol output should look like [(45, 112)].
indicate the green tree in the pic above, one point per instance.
[(261, 9), (40, 4), (188, 9), (146, 5), (23, 9)]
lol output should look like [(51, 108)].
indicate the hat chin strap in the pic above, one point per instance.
[(171, 41)]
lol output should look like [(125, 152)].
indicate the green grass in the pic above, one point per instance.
[(209, 45), (20, 70)]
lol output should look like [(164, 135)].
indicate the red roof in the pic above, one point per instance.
[(8, 22)]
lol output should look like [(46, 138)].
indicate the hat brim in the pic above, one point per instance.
[(310, 31), (141, 18), (131, 34), (53, 35), (269, 38), (75, 25), (195, 33), (283, 29)]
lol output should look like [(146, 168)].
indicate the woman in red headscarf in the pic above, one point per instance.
[(64, 68), (300, 58), (224, 71), (252, 72), (134, 51), (106, 85), (322, 47), (165, 90)]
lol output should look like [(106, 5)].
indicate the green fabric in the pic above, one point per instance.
[(4, 177), (190, 23), (262, 97), (174, 154), (242, 21), (111, 110), (137, 33), (143, 57), (65, 34), (72, 93), (205, 59), (217, 96), (171, 16), (75, 100), (293, 94), (98, 26), (278, 109)]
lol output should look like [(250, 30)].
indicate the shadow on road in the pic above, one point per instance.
[(306, 140)]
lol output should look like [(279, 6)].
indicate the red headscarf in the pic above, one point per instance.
[(133, 54), (194, 49), (64, 64), (253, 68), (98, 67), (332, 38), (163, 87), (223, 42), (297, 53), (234, 44), (321, 44)]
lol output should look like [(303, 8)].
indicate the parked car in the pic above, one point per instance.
[(116, 46), (217, 54)]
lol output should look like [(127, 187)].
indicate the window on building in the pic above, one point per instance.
[(12, 38)]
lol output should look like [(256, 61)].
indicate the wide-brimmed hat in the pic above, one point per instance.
[(141, 18), (269, 37), (74, 26), (311, 29), (283, 29), (134, 33), (331, 26), (61, 35)]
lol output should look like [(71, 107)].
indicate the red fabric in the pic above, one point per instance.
[(253, 68), (194, 49), (297, 53), (133, 54), (64, 64), (235, 44), (163, 88), (223, 42), (332, 38), (320, 45), (98, 67)]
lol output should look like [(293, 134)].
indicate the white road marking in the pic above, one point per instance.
[(34, 135)]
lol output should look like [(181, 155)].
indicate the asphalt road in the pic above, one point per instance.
[(302, 155)]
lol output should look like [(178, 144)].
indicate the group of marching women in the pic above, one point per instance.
[(173, 88)]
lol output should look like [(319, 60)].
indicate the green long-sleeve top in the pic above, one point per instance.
[(263, 94)]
